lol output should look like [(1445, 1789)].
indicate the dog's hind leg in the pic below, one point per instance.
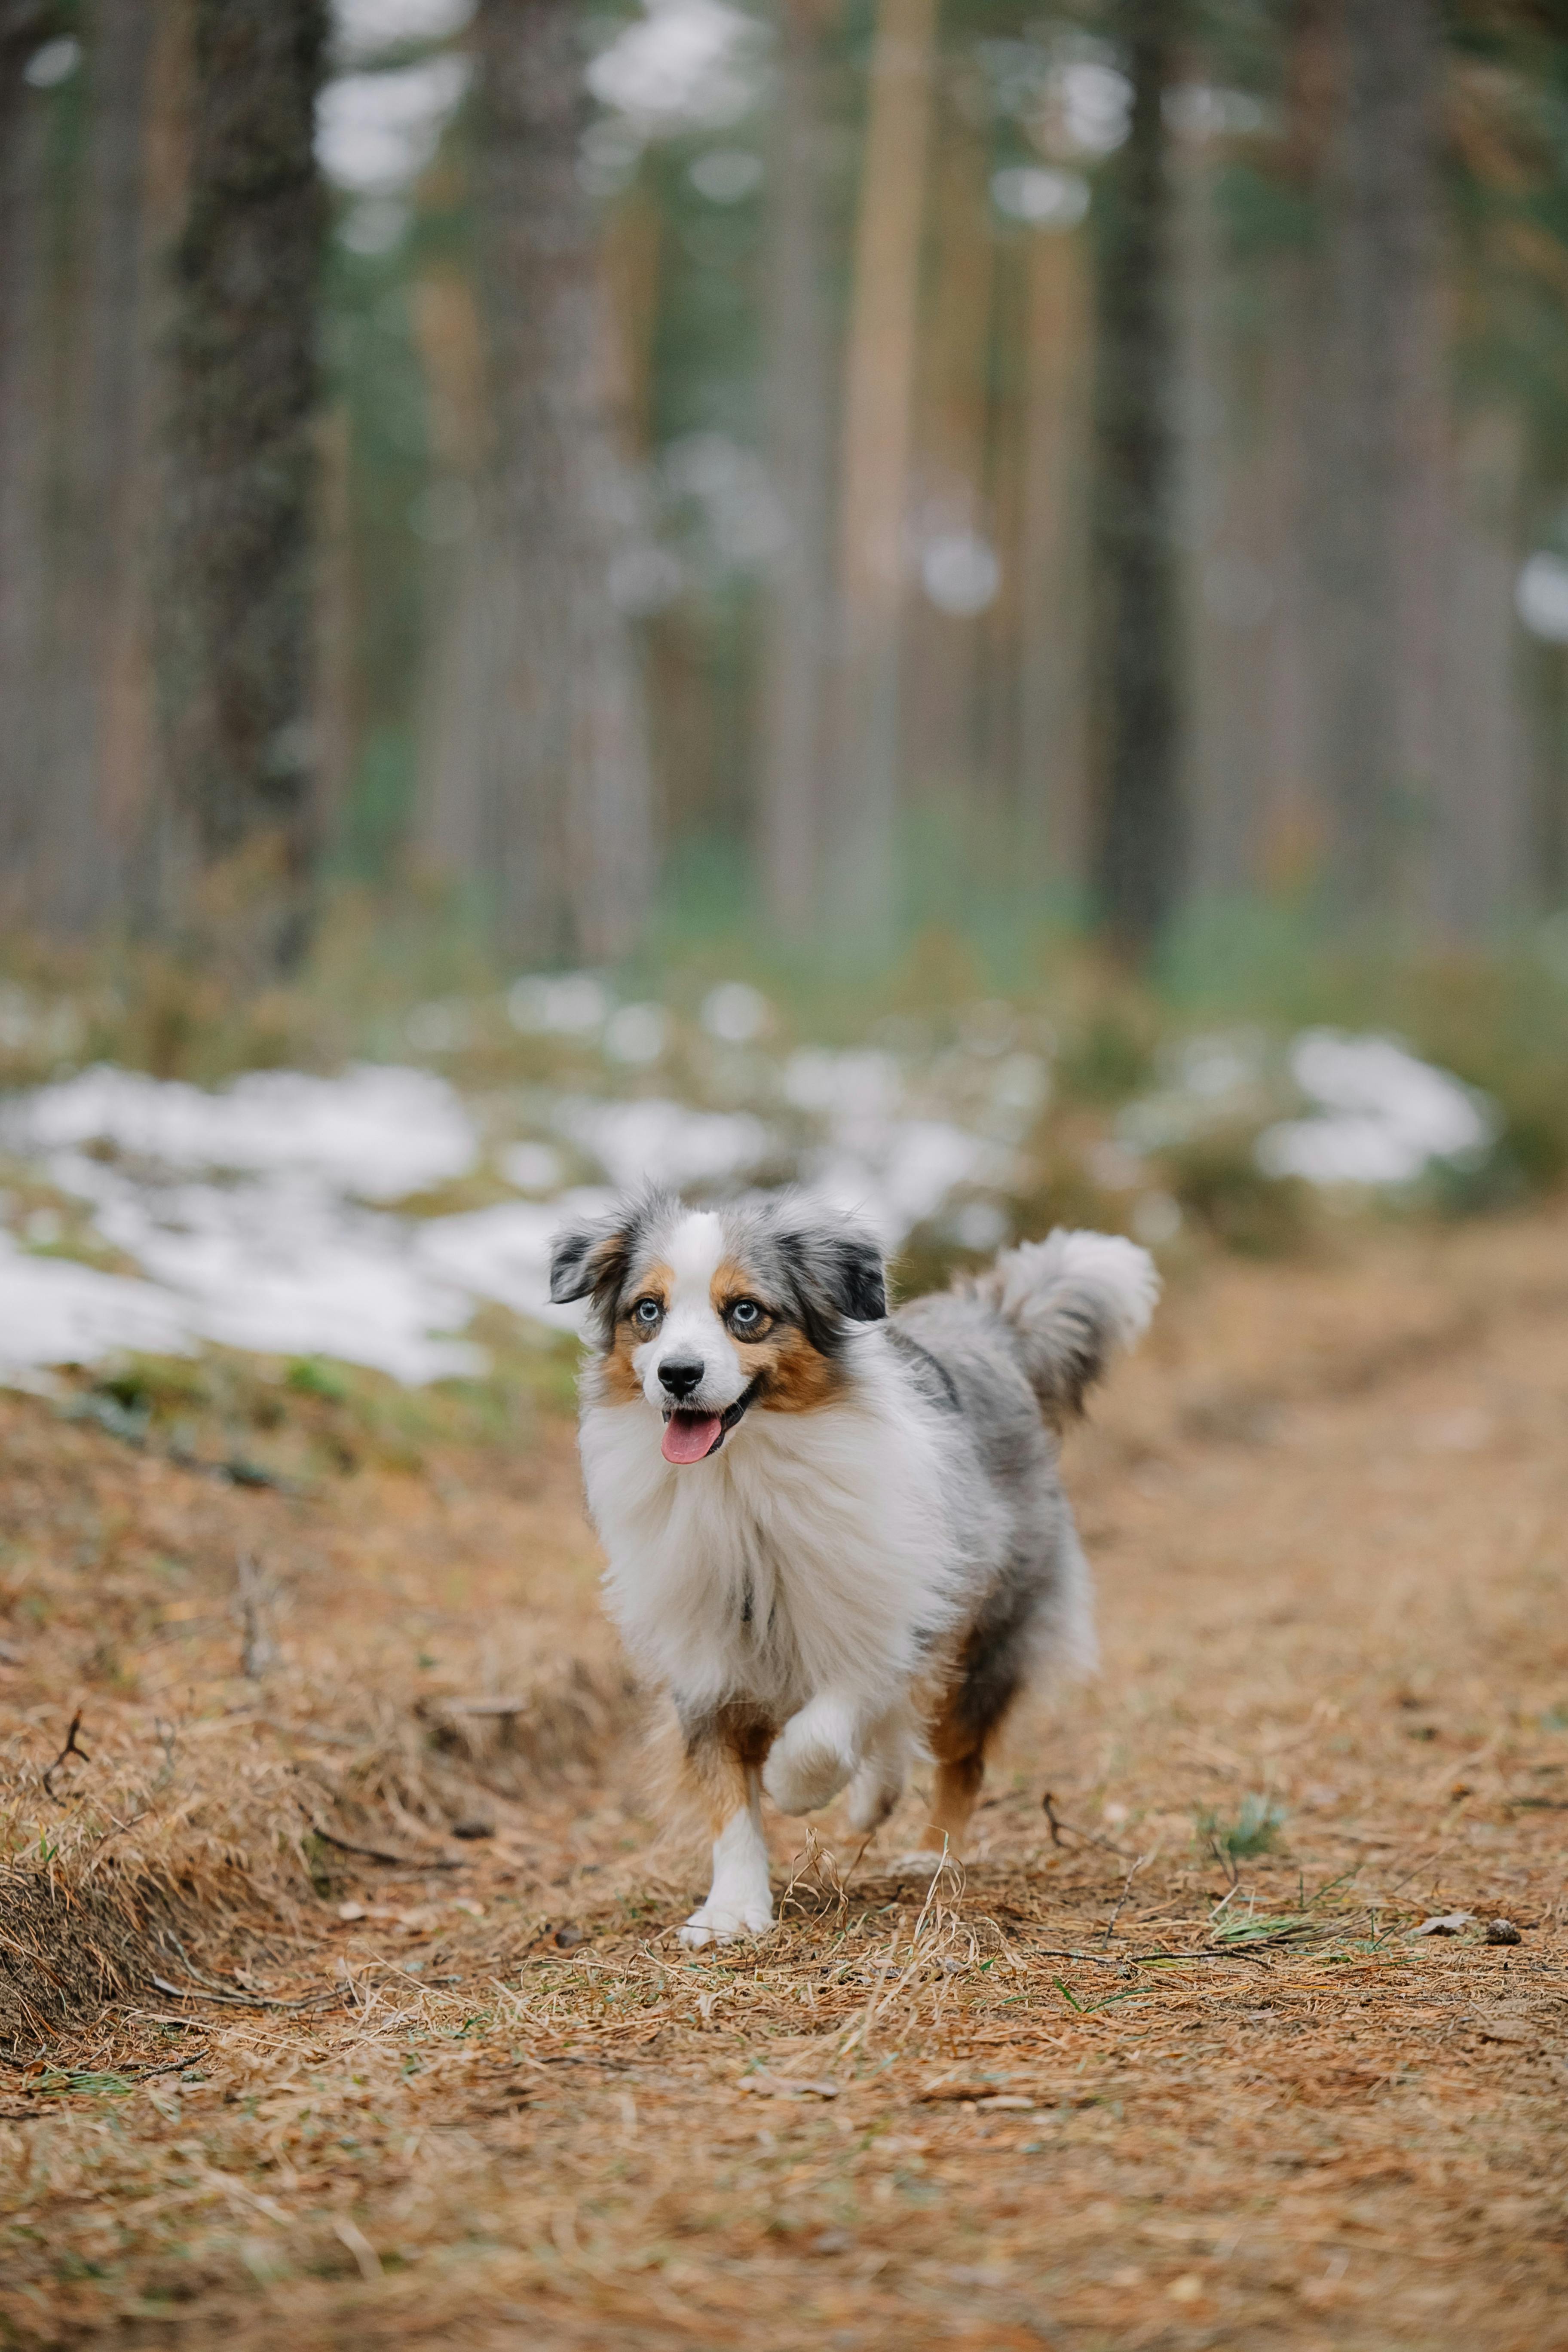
[(989, 1672), (954, 1790), (723, 1754)]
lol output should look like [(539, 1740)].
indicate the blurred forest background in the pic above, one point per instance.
[(796, 471)]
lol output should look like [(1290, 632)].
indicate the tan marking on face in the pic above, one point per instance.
[(796, 1378), (617, 1373), (732, 1280)]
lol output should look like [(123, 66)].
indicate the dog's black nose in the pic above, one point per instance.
[(680, 1374)]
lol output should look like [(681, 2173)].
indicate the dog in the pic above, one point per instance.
[(837, 1535)]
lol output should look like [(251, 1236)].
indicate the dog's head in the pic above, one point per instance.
[(704, 1313)]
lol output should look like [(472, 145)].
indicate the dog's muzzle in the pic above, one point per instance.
[(693, 1436)]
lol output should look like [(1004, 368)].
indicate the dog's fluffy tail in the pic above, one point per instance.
[(1072, 1300)]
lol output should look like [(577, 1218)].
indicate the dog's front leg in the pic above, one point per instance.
[(814, 1754), (723, 1752)]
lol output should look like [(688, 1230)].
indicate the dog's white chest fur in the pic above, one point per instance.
[(813, 1552)]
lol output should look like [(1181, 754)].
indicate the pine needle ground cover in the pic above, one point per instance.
[(340, 2003)]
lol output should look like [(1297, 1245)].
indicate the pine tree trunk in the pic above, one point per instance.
[(800, 458), (1206, 454), (1298, 484), (1485, 832), (451, 837), (566, 792), (941, 700), (1385, 520), (1140, 843), (237, 556), (879, 406), (24, 435), (97, 757), (1054, 796)]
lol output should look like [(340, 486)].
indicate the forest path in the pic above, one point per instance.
[(1097, 2094)]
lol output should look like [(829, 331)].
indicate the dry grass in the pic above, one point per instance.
[(1127, 2083)]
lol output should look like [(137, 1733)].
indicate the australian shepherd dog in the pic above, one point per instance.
[(837, 1535)]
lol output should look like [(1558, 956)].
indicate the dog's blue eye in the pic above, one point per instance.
[(745, 1314), (646, 1313)]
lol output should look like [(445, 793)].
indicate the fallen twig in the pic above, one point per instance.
[(381, 1854), (1126, 1890), (1047, 1806), (319, 2001), (70, 1749)]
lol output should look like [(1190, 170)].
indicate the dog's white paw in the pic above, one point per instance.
[(804, 1773), (873, 1793), (726, 1923), (920, 1863)]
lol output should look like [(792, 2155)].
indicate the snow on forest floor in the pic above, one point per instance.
[(303, 1216), (342, 2002)]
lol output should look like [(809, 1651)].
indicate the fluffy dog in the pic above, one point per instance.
[(837, 1536)]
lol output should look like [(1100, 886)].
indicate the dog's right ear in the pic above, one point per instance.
[(588, 1258), (592, 1257)]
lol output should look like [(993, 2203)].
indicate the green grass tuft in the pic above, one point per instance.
[(1254, 1830)]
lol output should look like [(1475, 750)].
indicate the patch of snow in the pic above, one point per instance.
[(60, 1313), (258, 1214), (734, 1012), (263, 1215), (899, 1173), (503, 1254), (376, 1131), (981, 1225), (870, 1084), (243, 1208), (563, 1004), (636, 1035), (532, 1167), (1382, 1118), (280, 1264), (663, 1143)]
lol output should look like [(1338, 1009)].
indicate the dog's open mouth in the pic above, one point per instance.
[(693, 1436)]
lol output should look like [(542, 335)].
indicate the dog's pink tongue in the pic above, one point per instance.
[(687, 1436)]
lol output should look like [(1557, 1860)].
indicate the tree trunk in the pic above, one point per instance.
[(24, 407), (97, 751), (1142, 827), (237, 586), (1384, 549), (1054, 794), (1484, 832), (800, 455), (566, 792), (452, 831), (1206, 455), (879, 405), (1296, 487), (941, 700)]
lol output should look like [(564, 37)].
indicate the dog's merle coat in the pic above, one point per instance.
[(837, 1536)]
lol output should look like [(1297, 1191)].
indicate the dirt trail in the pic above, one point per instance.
[(1121, 2087)]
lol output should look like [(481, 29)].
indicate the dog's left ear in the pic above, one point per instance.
[(839, 1275), (858, 1275)]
